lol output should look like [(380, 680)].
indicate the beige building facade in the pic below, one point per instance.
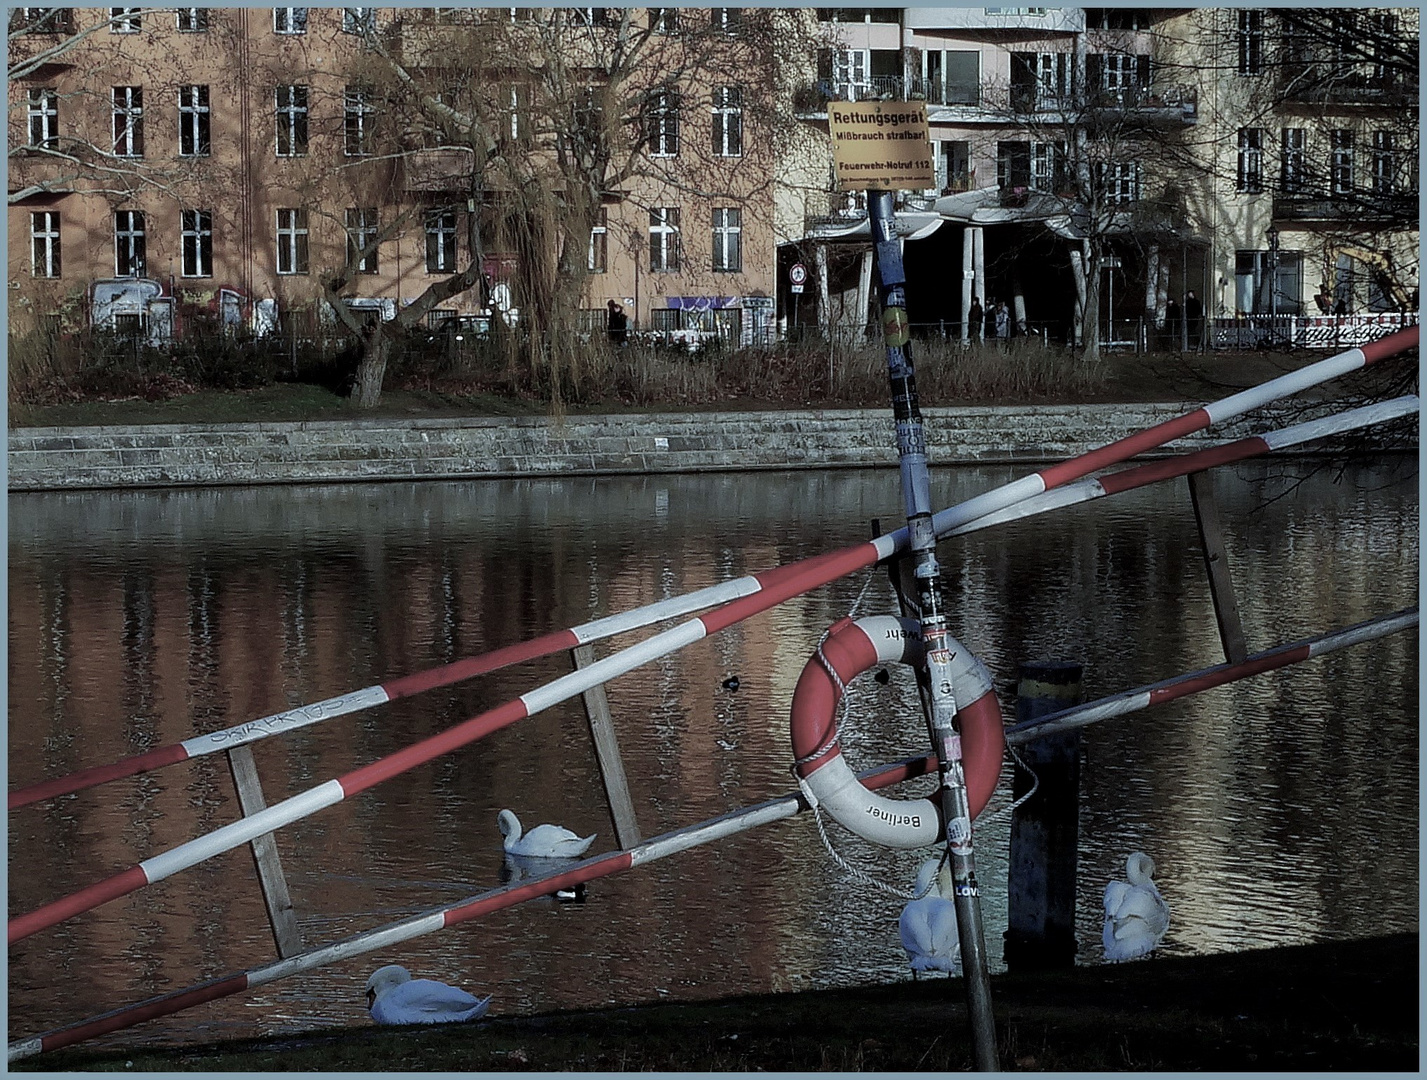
[(168, 167)]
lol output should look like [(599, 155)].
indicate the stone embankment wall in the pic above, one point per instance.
[(335, 451)]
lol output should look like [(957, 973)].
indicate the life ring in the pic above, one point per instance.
[(850, 649)]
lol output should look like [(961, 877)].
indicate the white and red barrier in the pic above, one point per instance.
[(1169, 468), (1182, 685), (775, 586), (955, 520), (683, 839)]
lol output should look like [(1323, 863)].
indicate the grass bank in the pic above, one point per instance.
[(1338, 1006), (178, 389)]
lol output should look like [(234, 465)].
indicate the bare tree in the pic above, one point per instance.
[(558, 114)]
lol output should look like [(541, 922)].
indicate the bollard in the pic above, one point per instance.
[(1045, 829)]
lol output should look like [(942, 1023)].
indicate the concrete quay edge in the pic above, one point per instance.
[(429, 448)]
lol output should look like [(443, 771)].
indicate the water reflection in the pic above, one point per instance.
[(1280, 810)]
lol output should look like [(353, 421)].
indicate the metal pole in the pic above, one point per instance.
[(916, 496)]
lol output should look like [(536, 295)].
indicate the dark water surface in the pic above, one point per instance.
[(1280, 810)]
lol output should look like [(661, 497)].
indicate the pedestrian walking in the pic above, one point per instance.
[(976, 319), (1003, 322), (1194, 320), (618, 324)]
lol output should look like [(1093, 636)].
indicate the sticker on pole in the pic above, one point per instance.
[(881, 144)]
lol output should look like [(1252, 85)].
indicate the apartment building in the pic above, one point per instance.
[(1308, 197), (169, 167), (1218, 149)]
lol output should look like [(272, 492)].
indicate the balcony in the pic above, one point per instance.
[(1320, 84), (1361, 207)]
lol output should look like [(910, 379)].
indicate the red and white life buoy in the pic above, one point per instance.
[(850, 649)]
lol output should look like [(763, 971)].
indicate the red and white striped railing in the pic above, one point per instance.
[(951, 521), (683, 839)]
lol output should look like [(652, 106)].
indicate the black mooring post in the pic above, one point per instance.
[(926, 574), (1045, 829)]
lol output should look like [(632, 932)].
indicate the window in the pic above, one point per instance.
[(193, 121), (44, 243), (1250, 42), (664, 238), (291, 117), (1117, 19), (727, 20), (663, 124), (728, 121), (198, 243), (728, 238), (129, 121), (129, 247), (358, 124), (440, 241), (1250, 178), (850, 79), (599, 242), (1384, 162), (292, 241), (44, 21), (963, 78), (515, 110), (1039, 80), (664, 20), (192, 20), (123, 20), (1121, 74), (361, 234), (1342, 162), (1122, 181), (359, 20), (44, 116), (1293, 166), (290, 20), (591, 16), (1048, 168), (1052, 79)]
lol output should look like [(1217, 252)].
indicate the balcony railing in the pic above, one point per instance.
[(1322, 84), (1361, 206)]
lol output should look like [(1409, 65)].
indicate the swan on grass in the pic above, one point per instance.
[(1136, 915), (543, 841), (928, 923), (394, 997)]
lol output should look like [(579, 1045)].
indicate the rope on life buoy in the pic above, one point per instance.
[(849, 649)]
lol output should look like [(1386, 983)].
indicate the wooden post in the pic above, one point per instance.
[(616, 787), (281, 916), (1221, 585), (1045, 830)]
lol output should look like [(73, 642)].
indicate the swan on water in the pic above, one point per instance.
[(928, 923), (394, 997), (543, 841), (1136, 915)]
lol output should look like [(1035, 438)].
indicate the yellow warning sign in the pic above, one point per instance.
[(881, 144)]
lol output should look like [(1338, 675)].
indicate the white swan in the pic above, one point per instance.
[(543, 841), (1136, 915), (928, 924), (394, 997)]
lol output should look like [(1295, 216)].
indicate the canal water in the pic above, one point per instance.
[(1278, 810)]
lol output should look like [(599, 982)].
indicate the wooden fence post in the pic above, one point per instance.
[(616, 786), (281, 916), (1221, 584), (1045, 830)]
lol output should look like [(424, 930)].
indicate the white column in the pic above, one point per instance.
[(978, 240), (820, 260), (864, 295), (968, 278), (1077, 270)]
